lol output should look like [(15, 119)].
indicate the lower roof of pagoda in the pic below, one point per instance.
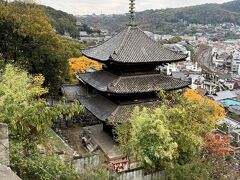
[(131, 84), (106, 110)]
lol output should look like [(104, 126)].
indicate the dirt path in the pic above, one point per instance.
[(74, 141)]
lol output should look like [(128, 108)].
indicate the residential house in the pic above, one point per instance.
[(231, 128)]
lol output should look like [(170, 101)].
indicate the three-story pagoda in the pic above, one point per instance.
[(129, 76)]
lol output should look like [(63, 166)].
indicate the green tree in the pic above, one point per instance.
[(73, 48), (40, 166), (28, 116), (22, 107), (27, 39), (177, 126), (100, 173), (122, 133), (195, 170), (173, 40), (190, 117), (150, 139)]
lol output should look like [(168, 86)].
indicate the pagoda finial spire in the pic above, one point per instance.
[(132, 12)]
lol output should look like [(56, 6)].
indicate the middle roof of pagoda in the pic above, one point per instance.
[(107, 82), (131, 46)]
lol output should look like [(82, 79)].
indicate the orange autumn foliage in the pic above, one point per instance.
[(217, 144), (81, 64), (216, 112)]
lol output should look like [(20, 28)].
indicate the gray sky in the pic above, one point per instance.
[(81, 7)]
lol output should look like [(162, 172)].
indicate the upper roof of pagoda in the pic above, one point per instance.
[(132, 46)]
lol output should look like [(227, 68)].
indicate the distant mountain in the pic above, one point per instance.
[(233, 6), (172, 19)]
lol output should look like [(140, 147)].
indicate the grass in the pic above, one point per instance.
[(57, 143)]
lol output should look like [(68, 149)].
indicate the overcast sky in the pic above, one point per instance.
[(82, 7)]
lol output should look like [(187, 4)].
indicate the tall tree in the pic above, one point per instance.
[(149, 139), (22, 107), (27, 39), (181, 120), (190, 117), (28, 116)]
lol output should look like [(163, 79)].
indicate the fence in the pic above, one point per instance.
[(139, 174), (82, 164)]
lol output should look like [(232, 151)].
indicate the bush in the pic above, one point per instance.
[(196, 170), (40, 166)]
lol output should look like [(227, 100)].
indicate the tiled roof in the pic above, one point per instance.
[(106, 110), (132, 45), (72, 92), (123, 113), (108, 82), (224, 95), (99, 79), (99, 106)]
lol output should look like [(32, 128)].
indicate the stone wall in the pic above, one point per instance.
[(4, 145)]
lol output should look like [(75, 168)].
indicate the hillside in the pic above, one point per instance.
[(65, 23), (233, 6), (172, 19), (62, 21)]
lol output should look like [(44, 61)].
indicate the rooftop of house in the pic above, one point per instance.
[(224, 95), (131, 46), (175, 47), (179, 75), (235, 109), (229, 121)]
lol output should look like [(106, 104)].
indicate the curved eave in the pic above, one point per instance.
[(144, 63), (150, 91), (95, 59), (112, 61), (120, 93)]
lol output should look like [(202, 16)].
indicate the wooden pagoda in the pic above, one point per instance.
[(129, 77)]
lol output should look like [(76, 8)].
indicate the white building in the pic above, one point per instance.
[(236, 63), (83, 33), (187, 65)]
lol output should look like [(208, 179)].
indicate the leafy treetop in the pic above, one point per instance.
[(28, 40), (24, 109), (171, 133)]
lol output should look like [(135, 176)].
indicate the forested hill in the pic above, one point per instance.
[(62, 21), (233, 6), (65, 23), (171, 19)]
